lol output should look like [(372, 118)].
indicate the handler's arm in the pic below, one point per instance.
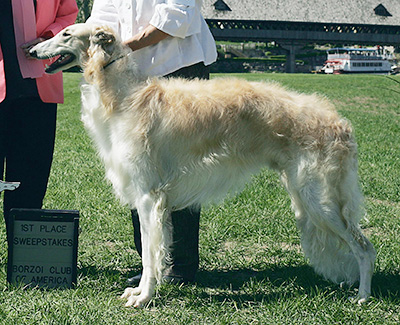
[(149, 36), (175, 18)]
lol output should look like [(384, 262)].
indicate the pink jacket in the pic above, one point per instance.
[(51, 17)]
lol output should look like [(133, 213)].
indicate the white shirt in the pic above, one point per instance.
[(191, 43)]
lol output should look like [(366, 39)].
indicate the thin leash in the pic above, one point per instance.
[(111, 62)]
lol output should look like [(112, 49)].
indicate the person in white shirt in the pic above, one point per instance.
[(169, 38), (170, 34)]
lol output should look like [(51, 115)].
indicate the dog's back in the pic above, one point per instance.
[(219, 132)]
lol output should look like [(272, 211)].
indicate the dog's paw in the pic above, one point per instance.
[(137, 301), (135, 297), (129, 292), (359, 300), (362, 301)]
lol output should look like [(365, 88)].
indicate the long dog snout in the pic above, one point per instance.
[(38, 51)]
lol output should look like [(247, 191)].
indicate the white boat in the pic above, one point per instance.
[(353, 60)]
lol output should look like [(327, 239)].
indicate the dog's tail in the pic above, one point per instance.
[(328, 203)]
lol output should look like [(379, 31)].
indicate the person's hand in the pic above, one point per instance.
[(148, 36), (8, 186), (27, 46)]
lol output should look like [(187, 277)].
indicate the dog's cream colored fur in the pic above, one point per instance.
[(168, 144)]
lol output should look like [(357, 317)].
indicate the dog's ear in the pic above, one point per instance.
[(104, 39)]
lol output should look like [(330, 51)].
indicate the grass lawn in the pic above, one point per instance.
[(252, 269)]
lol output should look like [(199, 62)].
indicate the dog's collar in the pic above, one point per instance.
[(111, 62)]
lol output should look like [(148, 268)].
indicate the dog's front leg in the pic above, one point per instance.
[(152, 213), (141, 295)]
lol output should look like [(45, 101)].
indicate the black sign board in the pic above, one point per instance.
[(43, 248)]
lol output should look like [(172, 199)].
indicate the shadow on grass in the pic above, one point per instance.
[(245, 286), (386, 286), (297, 280), (302, 275)]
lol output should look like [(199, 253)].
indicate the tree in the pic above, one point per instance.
[(85, 7)]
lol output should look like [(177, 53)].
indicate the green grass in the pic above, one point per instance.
[(252, 268)]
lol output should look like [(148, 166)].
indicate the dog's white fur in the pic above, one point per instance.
[(169, 144)]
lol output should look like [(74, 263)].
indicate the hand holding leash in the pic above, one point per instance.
[(11, 186)]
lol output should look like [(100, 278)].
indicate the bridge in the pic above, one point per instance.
[(292, 24)]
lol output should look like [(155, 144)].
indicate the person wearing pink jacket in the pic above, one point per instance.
[(28, 97)]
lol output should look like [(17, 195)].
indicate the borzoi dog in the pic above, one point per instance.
[(169, 143)]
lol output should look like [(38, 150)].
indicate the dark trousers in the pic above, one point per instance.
[(183, 253), (198, 70), (27, 134)]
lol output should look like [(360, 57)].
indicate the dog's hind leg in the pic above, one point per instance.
[(351, 211), (346, 195), (327, 213), (152, 211), (364, 253)]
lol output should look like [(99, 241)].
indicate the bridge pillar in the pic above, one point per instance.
[(291, 49)]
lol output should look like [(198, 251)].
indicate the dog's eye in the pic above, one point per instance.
[(66, 34)]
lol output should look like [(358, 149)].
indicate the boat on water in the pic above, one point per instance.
[(357, 60)]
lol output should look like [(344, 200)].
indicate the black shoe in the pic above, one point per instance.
[(134, 280), (177, 280)]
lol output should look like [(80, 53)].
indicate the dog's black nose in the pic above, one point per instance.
[(33, 53)]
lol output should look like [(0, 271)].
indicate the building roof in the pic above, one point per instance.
[(368, 12)]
